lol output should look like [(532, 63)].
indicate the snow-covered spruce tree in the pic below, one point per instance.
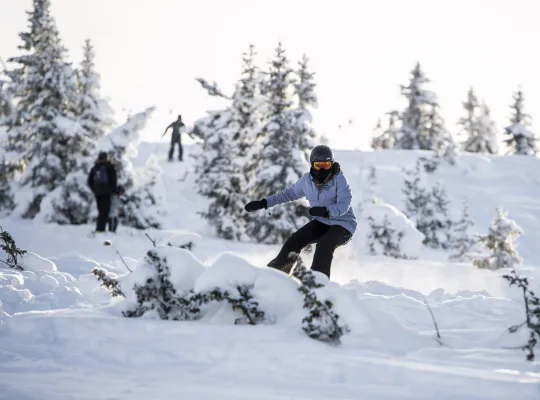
[(416, 194), (500, 241), (521, 141), (94, 112), (532, 312), (469, 123), (6, 194), (413, 133), (222, 168), (43, 130), (280, 162), (462, 239), (140, 207), (385, 138), (322, 322), (433, 221), (307, 99), (73, 201), (383, 239), (428, 209), (477, 128)]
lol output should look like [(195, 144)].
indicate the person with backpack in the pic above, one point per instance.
[(115, 205), (102, 182), (334, 221), (176, 138)]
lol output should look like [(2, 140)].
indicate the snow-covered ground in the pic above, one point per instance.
[(61, 337)]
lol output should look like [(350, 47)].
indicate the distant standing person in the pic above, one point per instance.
[(176, 138), (102, 182)]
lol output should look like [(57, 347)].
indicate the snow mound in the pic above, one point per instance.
[(411, 243)]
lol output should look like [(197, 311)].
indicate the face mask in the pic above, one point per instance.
[(320, 175)]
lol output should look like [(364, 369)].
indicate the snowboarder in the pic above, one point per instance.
[(334, 221), (113, 212), (102, 182), (176, 138)]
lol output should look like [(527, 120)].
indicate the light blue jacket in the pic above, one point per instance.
[(335, 195)]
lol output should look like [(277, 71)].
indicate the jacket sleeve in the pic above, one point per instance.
[(292, 193), (344, 198)]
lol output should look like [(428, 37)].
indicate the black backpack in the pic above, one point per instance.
[(101, 179)]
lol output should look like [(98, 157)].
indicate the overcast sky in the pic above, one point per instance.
[(150, 51)]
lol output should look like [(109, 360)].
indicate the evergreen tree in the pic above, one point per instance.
[(93, 111), (428, 209), (383, 239), (43, 129), (386, 138), (469, 123), (307, 98), (521, 141), (73, 201), (414, 132), (229, 141), (477, 127), (280, 162), (462, 240), (500, 241)]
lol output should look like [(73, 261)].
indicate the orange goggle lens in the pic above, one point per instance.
[(322, 164)]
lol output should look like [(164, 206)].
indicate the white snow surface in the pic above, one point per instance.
[(62, 336)]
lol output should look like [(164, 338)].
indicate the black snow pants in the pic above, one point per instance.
[(176, 141), (103, 205), (327, 237)]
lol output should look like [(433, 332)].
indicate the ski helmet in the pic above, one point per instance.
[(321, 153)]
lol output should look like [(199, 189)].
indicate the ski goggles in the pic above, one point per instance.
[(322, 165)]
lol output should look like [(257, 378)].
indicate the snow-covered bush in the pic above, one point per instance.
[(322, 322), (166, 289), (383, 239), (500, 241)]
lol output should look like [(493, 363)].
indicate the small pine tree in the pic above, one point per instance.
[(322, 322), (427, 208), (478, 128), (500, 241), (462, 240), (10, 249), (383, 239), (532, 312), (521, 141), (433, 221)]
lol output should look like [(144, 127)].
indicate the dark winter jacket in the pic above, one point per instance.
[(335, 195), (102, 186), (176, 126)]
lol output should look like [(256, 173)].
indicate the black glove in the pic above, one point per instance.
[(319, 212), (256, 205)]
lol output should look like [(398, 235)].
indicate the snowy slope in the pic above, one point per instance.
[(62, 338)]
